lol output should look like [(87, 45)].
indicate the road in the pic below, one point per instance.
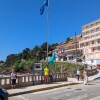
[(75, 92)]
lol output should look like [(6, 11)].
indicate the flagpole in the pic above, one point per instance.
[(47, 28)]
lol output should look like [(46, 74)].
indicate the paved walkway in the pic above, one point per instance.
[(35, 88)]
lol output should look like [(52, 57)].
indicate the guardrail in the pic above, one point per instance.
[(29, 80)]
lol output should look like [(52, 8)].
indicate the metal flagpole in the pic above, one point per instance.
[(47, 28)]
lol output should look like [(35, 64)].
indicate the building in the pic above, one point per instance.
[(59, 51), (67, 51), (72, 50), (91, 42)]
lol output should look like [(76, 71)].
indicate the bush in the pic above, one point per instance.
[(70, 68)]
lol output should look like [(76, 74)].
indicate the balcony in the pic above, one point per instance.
[(95, 38), (90, 28), (90, 46), (90, 34)]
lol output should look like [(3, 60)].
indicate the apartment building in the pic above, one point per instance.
[(67, 51), (72, 49), (91, 42)]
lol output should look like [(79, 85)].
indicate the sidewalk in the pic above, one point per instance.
[(36, 88)]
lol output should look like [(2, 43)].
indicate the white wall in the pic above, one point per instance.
[(98, 62), (95, 62)]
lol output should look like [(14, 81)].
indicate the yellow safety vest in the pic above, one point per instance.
[(46, 71)]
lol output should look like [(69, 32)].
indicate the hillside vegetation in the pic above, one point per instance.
[(23, 61)]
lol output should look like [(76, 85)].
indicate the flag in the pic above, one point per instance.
[(46, 3), (43, 7), (41, 10), (51, 61)]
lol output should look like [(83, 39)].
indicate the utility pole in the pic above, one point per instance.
[(76, 48)]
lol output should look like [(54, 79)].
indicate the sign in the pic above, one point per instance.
[(38, 66)]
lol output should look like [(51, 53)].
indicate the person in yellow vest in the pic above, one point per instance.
[(46, 74)]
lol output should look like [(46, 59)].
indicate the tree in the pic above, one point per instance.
[(44, 46), (52, 46), (19, 56), (1, 61), (10, 59), (25, 53), (35, 51), (67, 40)]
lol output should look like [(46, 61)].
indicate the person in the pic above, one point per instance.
[(81, 75), (78, 74), (51, 76), (85, 72), (13, 79), (46, 74)]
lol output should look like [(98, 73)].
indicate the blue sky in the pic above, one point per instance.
[(22, 26)]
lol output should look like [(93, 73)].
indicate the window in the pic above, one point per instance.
[(92, 42), (92, 31), (83, 33), (82, 44), (87, 32), (98, 40), (98, 48), (86, 43), (97, 29)]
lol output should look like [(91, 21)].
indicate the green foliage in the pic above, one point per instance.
[(67, 40), (11, 59), (21, 66), (16, 66), (70, 68), (37, 53), (44, 46)]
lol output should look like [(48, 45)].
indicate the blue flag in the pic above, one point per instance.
[(41, 10), (51, 61), (43, 7), (46, 3)]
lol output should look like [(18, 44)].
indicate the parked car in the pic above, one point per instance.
[(3, 94), (98, 67)]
